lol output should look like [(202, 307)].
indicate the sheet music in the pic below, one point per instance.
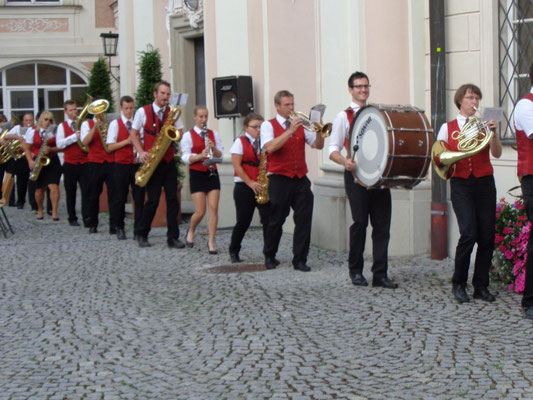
[(492, 113), (317, 112)]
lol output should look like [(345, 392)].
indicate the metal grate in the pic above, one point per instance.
[(515, 35)]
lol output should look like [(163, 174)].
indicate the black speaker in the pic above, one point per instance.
[(233, 96)]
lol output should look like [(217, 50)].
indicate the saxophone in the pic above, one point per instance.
[(262, 179), (168, 134), (41, 160)]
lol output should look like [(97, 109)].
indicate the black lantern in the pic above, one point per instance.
[(110, 42)]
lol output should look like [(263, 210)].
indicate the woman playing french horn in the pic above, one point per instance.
[(473, 196), (39, 142)]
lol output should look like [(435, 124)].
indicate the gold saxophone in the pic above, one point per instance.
[(41, 160), (168, 134), (262, 179)]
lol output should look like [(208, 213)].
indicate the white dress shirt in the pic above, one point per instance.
[(112, 129), (28, 137), (267, 132), (139, 120), (339, 130), (523, 116), (62, 141), (186, 144), (237, 148), (15, 130), (85, 129), (443, 131)]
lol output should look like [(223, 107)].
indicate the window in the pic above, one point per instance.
[(32, 2), (515, 22), (33, 87)]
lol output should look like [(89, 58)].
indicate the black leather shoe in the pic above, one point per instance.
[(270, 263), (528, 312), (143, 242), (190, 245), (359, 280), (121, 235), (384, 282), (235, 258), (484, 294), (212, 252), (300, 266), (74, 223), (175, 243), (459, 293), (275, 261), (112, 230), (93, 229)]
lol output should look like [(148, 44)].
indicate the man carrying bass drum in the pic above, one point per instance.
[(364, 203)]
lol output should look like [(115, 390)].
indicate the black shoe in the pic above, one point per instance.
[(359, 280), (384, 282), (190, 245), (112, 230), (270, 263), (143, 242), (235, 258), (301, 266), (20, 206), (74, 223), (528, 312), (213, 252), (459, 293), (55, 219), (93, 229), (12, 204), (484, 294), (175, 243), (86, 223), (276, 261), (121, 235)]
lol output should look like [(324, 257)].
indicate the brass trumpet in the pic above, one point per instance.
[(323, 130)]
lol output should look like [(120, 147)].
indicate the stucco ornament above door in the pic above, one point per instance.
[(193, 10)]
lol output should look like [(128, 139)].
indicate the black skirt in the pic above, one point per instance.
[(50, 175), (200, 181)]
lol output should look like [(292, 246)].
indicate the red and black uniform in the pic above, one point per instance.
[(473, 196), (51, 173), (244, 196), (201, 177), (289, 188)]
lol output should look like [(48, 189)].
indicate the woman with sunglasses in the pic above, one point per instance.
[(50, 174)]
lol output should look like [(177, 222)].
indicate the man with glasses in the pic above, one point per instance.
[(364, 203)]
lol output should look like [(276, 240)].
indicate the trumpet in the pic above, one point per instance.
[(323, 130)]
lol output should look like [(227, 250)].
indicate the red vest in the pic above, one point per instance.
[(250, 160), (97, 153), (37, 142), (198, 145), (124, 155), (151, 129), (290, 159), (525, 149), (349, 114), (479, 164), (73, 154)]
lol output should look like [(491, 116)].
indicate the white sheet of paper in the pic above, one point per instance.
[(315, 116), (493, 113), (178, 99)]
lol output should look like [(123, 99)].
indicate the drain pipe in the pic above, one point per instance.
[(439, 207)]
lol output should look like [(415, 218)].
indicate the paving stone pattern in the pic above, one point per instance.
[(88, 317)]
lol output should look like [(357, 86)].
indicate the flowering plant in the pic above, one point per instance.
[(510, 253)]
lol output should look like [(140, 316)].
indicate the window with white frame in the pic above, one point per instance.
[(515, 22), (36, 86)]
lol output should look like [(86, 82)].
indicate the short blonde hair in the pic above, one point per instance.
[(44, 114)]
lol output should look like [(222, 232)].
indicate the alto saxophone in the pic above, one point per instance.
[(41, 160), (262, 179), (168, 134)]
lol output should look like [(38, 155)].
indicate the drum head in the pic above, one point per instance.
[(369, 133)]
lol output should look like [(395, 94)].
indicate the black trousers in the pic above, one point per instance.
[(98, 173), (245, 205), (474, 204), (365, 203), (527, 192), (165, 176), (74, 174), (22, 172), (286, 193), (124, 178)]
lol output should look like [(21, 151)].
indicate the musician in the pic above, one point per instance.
[(147, 125), (523, 121), (284, 140), (245, 157), (124, 168), (99, 169), (473, 195), (50, 174), (21, 168), (365, 203), (74, 161), (197, 145)]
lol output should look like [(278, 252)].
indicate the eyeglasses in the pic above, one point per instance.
[(48, 119), (359, 87), (254, 126), (471, 98)]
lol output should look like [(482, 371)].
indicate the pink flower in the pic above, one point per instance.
[(502, 248), (508, 254), (507, 231), (519, 205)]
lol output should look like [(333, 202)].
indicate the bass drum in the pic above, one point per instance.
[(392, 146)]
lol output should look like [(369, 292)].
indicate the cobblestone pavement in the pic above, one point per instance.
[(86, 316)]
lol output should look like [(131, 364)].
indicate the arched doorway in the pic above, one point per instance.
[(35, 86)]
